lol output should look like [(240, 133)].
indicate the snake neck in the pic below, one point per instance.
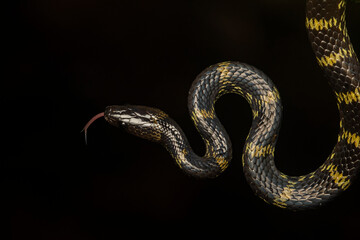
[(210, 85)]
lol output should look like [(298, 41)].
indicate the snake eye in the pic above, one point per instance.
[(116, 115)]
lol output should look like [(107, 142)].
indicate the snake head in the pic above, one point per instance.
[(141, 121)]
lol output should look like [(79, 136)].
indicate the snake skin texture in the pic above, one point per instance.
[(325, 22)]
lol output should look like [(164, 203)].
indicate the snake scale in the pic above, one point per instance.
[(325, 22)]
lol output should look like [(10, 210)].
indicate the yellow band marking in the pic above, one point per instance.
[(312, 174), (340, 180), (255, 113), (259, 151), (351, 138), (248, 97), (283, 197), (181, 157), (333, 58), (341, 4), (238, 90), (301, 178), (205, 113), (315, 24), (277, 94), (322, 167), (198, 114), (283, 175), (286, 194), (277, 202), (349, 97), (222, 162), (223, 70), (324, 24), (270, 97)]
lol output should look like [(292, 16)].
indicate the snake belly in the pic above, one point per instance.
[(325, 22)]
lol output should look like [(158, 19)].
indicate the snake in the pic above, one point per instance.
[(328, 35)]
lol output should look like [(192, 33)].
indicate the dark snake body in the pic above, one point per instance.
[(325, 21)]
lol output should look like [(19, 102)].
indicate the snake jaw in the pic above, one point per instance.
[(140, 121), (126, 116), (115, 115)]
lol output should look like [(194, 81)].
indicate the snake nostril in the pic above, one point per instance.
[(108, 111)]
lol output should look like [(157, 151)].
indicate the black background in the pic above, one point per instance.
[(66, 60)]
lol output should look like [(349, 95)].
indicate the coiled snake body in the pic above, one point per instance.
[(325, 22)]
